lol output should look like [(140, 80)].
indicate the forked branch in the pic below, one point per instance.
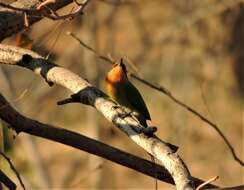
[(88, 94)]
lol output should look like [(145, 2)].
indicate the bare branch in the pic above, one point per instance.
[(87, 94), (45, 3), (12, 19), (207, 182), (49, 13), (168, 94), (20, 123), (103, 57), (13, 168)]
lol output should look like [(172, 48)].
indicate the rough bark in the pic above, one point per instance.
[(12, 21)]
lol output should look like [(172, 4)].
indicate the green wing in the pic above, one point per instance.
[(135, 99)]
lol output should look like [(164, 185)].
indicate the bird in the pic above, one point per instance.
[(122, 91)]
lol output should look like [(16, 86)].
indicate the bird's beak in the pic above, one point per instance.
[(121, 62)]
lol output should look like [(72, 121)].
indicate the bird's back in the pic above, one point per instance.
[(135, 100), (128, 96), (125, 93)]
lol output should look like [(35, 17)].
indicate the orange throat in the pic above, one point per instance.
[(116, 75)]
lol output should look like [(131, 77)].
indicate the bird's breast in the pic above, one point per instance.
[(110, 89)]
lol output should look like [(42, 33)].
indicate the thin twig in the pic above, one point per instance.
[(219, 131), (168, 94), (51, 15), (78, 3), (45, 3), (18, 98), (88, 175), (13, 168), (55, 39), (207, 182), (103, 57)]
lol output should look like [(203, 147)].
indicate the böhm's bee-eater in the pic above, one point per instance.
[(121, 90)]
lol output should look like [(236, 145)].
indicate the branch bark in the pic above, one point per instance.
[(20, 123), (13, 21), (92, 96)]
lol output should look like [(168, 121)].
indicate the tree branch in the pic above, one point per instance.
[(87, 94), (13, 168), (12, 22), (20, 123), (12, 17), (168, 94), (6, 181), (47, 12)]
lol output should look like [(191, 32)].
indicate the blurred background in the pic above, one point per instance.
[(193, 48)]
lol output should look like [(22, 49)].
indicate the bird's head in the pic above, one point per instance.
[(117, 74)]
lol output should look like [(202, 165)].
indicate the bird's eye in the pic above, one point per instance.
[(115, 64)]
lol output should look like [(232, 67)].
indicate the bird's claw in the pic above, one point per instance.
[(173, 147), (115, 107), (149, 131), (137, 129), (122, 115)]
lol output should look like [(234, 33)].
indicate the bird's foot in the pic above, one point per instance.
[(137, 129), (149, 131), (173, 147), (116, 107), (123, 115)]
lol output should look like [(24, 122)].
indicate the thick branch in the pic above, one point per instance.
[(13, 21), (92, 96), (20, 123)]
